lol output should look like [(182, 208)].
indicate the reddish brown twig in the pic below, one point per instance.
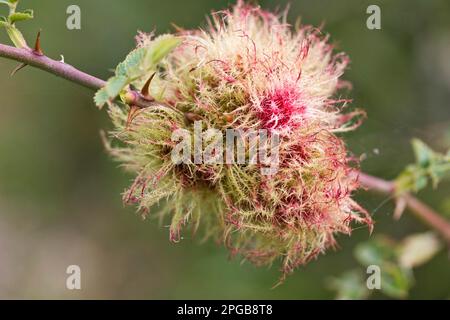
[(421, 210)]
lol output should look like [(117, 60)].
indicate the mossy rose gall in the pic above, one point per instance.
[(248, 70)]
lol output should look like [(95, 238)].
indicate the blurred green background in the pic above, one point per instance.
[(60, 200)]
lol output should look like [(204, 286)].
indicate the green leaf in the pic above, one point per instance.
[(111, 90), (138, 64), (161, 47), (424, 155), (115, 85), (143, 60), (9, 3), (101, 98), (430, 165), (21, 16), (349, 286), (440, 171), (16, 36), (131, 65)]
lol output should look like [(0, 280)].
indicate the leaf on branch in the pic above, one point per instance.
[(115, 85), (424, 154), (21, 16), (101, 98), (137, 66), (160, 48), (430, 166), (131, 65), (143, 60), (111, 90), (9, 22)]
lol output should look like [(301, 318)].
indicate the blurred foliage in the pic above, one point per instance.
[(395, 279), (395, 261), (430, 165), (60, 198), (349, 286)]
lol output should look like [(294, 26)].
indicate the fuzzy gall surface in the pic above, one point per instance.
[(247, 70)]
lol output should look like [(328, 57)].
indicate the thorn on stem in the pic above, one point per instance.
[(400, 206), (37, 46), (18, 68), (146, 88)]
